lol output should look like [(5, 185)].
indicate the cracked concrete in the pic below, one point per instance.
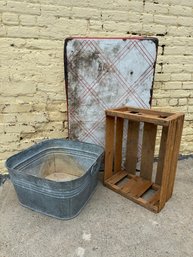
[(109, 226)]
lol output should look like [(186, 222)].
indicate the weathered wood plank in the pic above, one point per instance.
[(109, 147), (167, 163), (117, 177), (132, 146), (148, 147), (175, 154), (118, 144)]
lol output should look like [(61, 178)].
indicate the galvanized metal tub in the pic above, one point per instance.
[(63, 200)]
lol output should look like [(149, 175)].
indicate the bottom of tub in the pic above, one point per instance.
[(60, 167), (57, 217)]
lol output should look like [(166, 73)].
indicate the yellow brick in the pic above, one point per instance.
[(2, 30), (41, 44), (86, 13), (185, 21), (154, 29), (180, 10), (183, 101), (154, 102), (179, 109), (179, 31), (187, 85), (50, 126), (63, 27), (22, 7), (181, 77), (190, 101), (49, 87), (173, 102), (147, 18), (172, 85), (173, 93), (135, 6), (163, 102), (10, 19), (19, 128), (180, 93), (122, 27), (15, 108), (18, 88), (116, 15), (7, 118), (163, 77), (190, 109), (165, 19), (22, 32), (57, 116), (188, 68), (32, 118), (54, 10), (175, 50), (188, 131), (28, 20), (3, 5), (189, 116), (9, 138), (95, 25), (173, 68), (97, 4), (57, 106), (156, 8)]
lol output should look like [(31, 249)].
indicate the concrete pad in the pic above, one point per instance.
[(109, 226)]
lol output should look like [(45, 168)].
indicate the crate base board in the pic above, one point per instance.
[(134, 189)]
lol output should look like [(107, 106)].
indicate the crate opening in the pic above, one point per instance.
[(148, 194), (122, 182), (133, 112), (163, 116), (137, 113)]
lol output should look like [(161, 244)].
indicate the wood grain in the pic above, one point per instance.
[(148, 147), (175, 154), (118, 144), (132, 146), (109, 147), (161, 156), (167, 163)]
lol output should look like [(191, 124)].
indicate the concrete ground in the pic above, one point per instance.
[(109, 226)]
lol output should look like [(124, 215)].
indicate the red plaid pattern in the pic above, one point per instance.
[(106, 73)]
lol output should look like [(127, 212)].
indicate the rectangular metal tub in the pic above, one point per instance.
[(63, 200)]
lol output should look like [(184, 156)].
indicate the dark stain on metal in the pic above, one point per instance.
[(115, 49), (82, 60)]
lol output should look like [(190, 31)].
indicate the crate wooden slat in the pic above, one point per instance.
[(132, 144), (118, 142), (148, 147), (142, 189)]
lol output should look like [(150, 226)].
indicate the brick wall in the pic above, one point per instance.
[(32, 95)]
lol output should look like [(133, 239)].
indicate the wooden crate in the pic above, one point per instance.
[(152, 193)]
